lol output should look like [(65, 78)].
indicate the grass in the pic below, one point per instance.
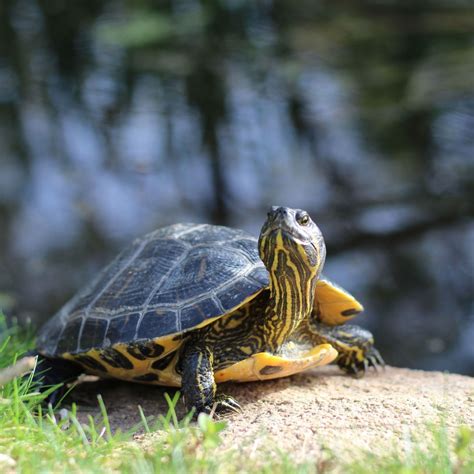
[(37, 440)]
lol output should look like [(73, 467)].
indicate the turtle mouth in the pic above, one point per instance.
[(286, 232)]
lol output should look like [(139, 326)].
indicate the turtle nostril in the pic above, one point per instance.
[(278, 212), (274, 212)]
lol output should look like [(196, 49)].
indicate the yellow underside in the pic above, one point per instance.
[(261, 366), (266, 366)]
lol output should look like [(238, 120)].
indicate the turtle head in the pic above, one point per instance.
[(292, 248), (290, 240)]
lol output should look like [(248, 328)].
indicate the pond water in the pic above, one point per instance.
[(120, 117)]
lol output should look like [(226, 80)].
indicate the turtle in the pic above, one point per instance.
[(193, 305)]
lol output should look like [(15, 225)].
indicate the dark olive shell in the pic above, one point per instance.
[(170, 281)]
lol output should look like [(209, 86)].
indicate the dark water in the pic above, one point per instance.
[(117, 117)]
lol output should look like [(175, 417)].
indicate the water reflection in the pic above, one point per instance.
[(116, 118)]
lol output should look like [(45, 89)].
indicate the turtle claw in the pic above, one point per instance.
[(226, 404), (357, 368), (375, 360)]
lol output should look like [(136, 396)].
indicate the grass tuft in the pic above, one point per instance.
[(441, 456)]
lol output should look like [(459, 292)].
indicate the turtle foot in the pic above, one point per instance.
[(352, 365)]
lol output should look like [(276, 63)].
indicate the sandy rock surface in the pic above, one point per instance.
[(316, 409)]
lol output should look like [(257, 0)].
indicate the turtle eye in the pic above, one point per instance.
[(303, 218)]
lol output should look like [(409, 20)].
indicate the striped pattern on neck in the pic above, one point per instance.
[(292, 285)]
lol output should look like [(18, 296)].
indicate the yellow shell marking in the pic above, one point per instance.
[(166, 376)]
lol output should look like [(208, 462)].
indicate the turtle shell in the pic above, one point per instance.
[(170, 281)]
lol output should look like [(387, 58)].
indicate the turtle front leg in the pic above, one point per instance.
[(198, 384), (354, 345)]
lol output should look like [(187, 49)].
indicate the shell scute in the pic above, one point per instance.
[(204, 269), (70, 336), (93, 333), (260, 275), (120, 327), (143, 276), (230, 296), (158, 321), (248, 248), (195, 313)]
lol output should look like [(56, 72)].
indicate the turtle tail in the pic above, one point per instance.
[(50, 372)]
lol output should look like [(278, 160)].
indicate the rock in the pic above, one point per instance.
[(307, 412)]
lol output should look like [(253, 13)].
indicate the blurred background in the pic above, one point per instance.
[(117, 117)]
